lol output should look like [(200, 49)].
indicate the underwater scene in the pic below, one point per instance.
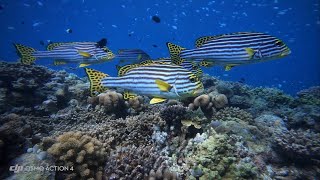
[(159, 90)]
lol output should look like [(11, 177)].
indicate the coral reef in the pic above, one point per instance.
[(299, 146), (37, 90), (309, 96), (233, 114), (33, 159), (233, 131), (14, 132), (131, 162), (86, 155), (208, 103)]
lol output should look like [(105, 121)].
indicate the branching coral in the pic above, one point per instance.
[(233, 114), (133, 162), (85, 154)]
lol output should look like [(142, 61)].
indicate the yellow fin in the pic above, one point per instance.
[(59, 62), (52, 46), (250, 52), (128, 95), (162, 85), (146, 62), (228, 67), (206, 63), (175, 51), (157, 100), (84, 65), (84, 54), (203, 40), (95, 78), (124, 69), (25, 53)]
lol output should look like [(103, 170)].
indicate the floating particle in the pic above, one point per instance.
[(183, 13), (156, 19), (26, 5), (174, 27), (123, 6), (69, 30), (114, 26), (36, 24), (11, 28), (154, 45), (39, 3)]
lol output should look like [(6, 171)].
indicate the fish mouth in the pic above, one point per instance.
[(286, 52)]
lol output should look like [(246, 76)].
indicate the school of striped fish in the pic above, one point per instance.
[(174, 77)]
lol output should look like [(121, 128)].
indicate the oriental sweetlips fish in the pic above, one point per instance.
[(231, 50), (83, 53), (190, 66), (161, 81)]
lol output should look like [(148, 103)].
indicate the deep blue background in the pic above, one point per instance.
[(296, 22)]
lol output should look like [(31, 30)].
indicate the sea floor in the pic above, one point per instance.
[(50, 128)]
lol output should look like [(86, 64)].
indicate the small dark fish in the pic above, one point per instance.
[(22, 22), (129, 34), (242, 80), (69, 30), (42, 43), (1, 7), (154, 45), (156, 19), (102, 43)]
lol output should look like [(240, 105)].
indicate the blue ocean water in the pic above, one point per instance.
[(128, 24)]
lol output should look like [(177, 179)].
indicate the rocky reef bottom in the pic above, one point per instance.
[(50, 128)]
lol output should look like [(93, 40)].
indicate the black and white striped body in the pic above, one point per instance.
[(142, 80), (69, 52), (231, 49)]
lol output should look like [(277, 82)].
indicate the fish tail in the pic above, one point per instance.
[(175, 52), (25, 53), (95, 78)]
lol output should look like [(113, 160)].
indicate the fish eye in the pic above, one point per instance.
[(279, 43)]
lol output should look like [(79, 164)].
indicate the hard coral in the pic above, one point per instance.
[(133, 162), (233, 114), (110, 100), (137, 103), (299, 146), (209, 102), (84, 154)]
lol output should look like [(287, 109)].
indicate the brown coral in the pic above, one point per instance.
[(85, 154), (131, 162), (136, 103)]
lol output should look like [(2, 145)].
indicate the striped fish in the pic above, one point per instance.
[(83, 53), (190, 66), (231, 49), (159, 80), (132, 55)]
